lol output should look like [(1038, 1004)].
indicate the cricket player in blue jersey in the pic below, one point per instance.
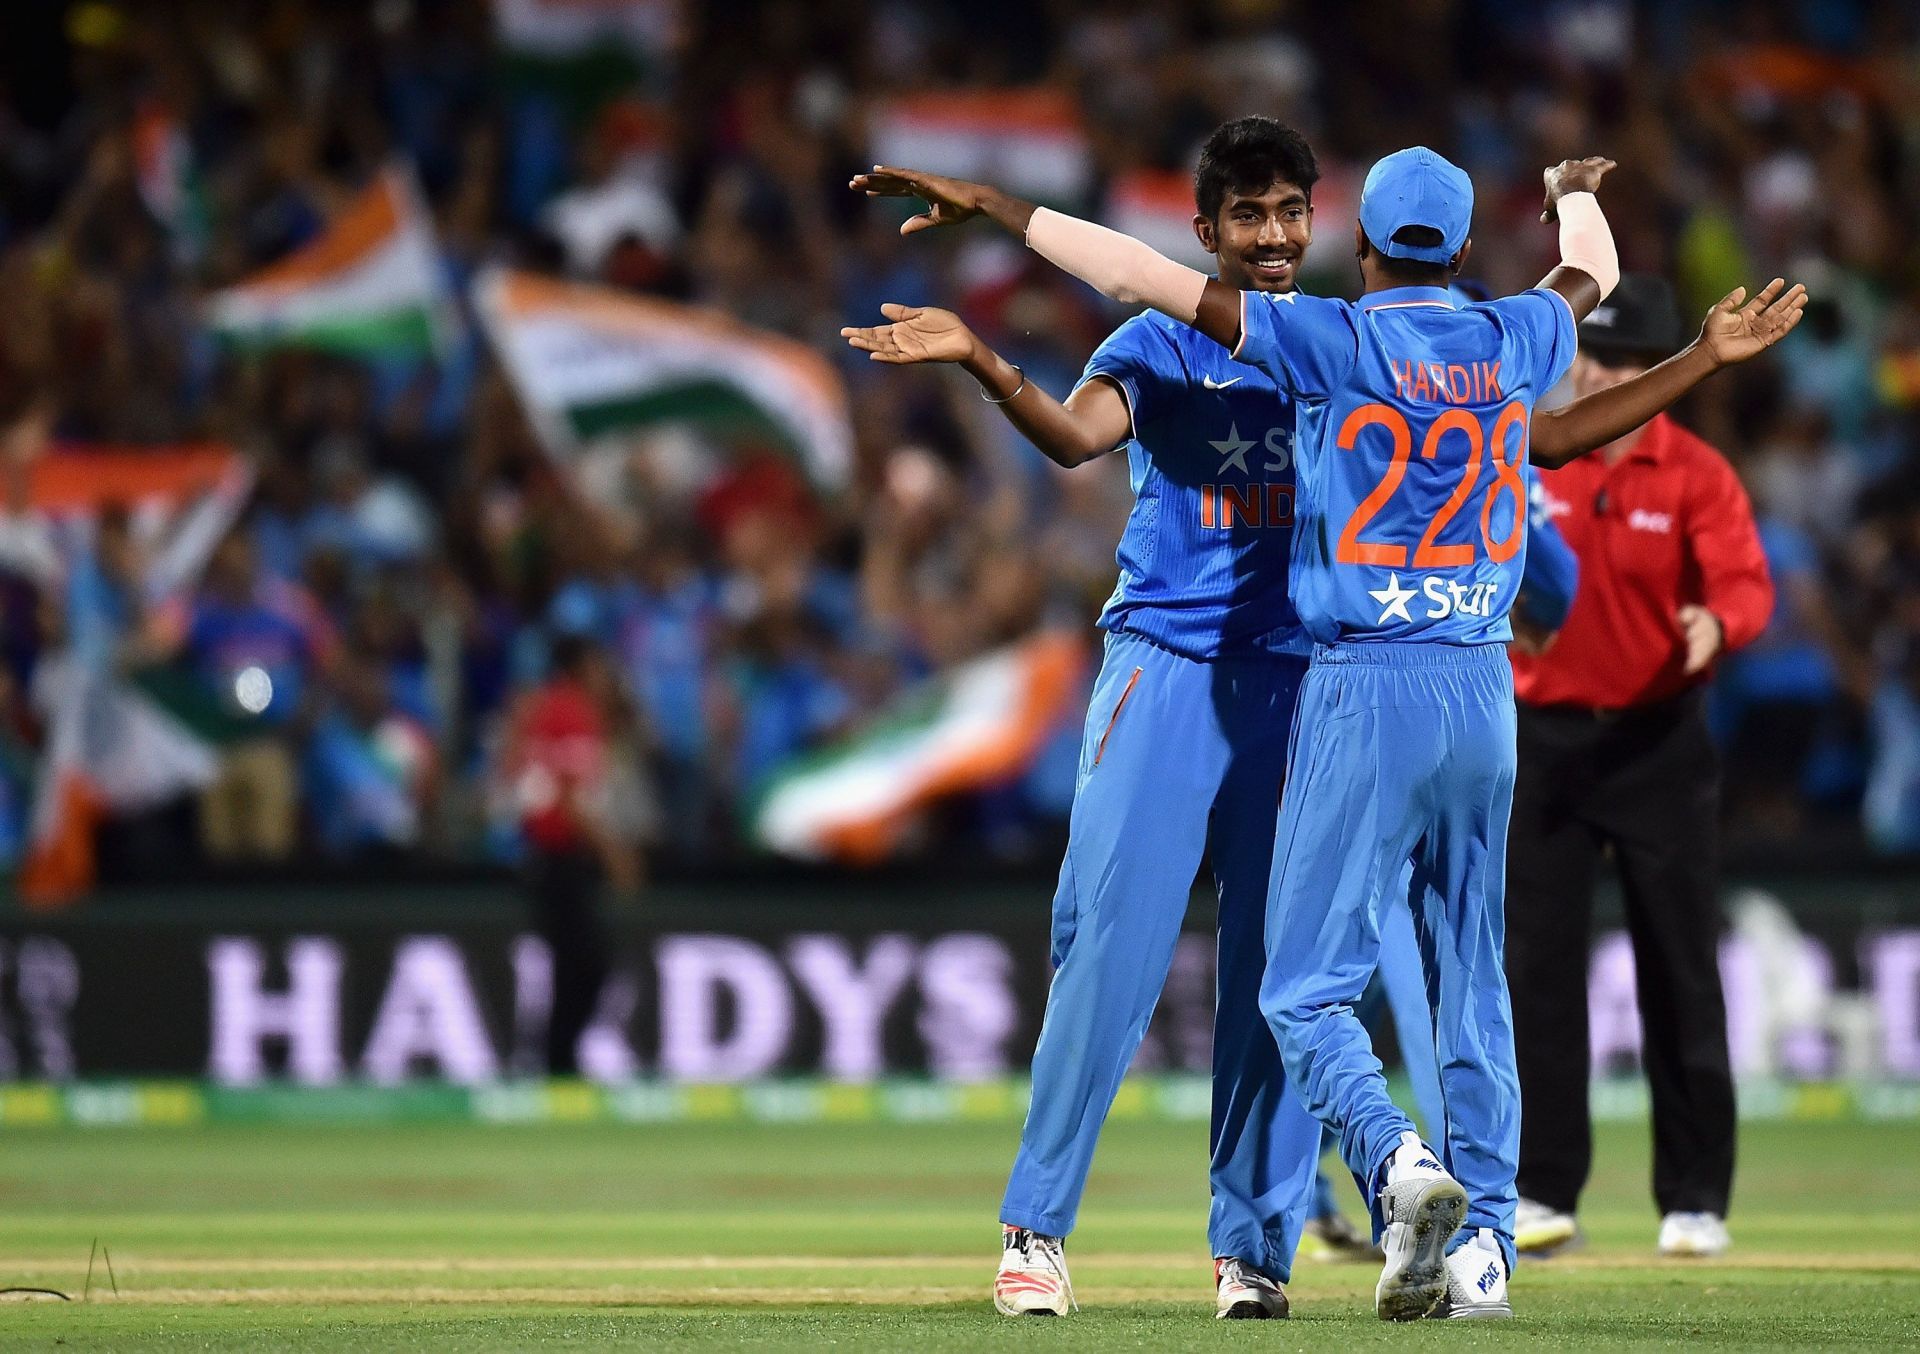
[(1203, 655), (1114, 932)]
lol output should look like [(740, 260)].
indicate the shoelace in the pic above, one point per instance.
[(1055, 1258), (1238, 1271)]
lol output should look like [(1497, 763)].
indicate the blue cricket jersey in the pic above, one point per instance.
[(1204, 559), (1412, 420), (1553, 571)]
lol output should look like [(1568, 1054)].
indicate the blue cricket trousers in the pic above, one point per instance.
[(1403, 753), (1173, 749)]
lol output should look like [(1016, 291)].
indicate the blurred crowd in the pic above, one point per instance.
[(411, 555)]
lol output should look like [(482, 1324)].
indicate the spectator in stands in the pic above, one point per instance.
[(180, 147), (255, 644)]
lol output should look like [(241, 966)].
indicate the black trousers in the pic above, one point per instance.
[(1646, 785), (565, 888)]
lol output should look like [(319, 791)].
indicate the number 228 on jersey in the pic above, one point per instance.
[(1411, 445)]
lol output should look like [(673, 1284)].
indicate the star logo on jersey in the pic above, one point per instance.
[(1233, 449), (1393, 600)]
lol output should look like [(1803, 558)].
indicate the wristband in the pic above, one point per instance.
[(1586, 241)]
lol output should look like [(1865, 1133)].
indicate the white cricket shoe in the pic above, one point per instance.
[(1476, 1281), (1698, 1235), (1033, 1275), (1244, 1293), (1537, 1228), (1422, 1207)]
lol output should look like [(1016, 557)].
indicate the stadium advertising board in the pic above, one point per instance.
[(800, 992)]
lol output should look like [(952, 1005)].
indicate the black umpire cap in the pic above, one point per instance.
[(1639, 320)]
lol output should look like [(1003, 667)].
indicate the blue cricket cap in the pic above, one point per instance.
[(1417, 187)]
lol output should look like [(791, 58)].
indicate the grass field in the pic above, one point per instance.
[(702, 1236)]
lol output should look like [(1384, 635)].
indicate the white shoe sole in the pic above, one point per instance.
[(1419, 1285), (1050, 1309), (1248, 1309), (1031, 1302), (1479, 1311)]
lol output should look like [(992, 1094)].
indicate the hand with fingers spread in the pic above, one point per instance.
[(1736, 329), (1734, 332), (1573, 176), (917, 334), (949, 201)]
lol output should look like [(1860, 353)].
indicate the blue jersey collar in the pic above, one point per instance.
[(1407, 296)]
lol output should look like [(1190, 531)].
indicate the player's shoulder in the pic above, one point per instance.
[(1149, 336), (1318, 322), (1533, 306), (1301, 304)]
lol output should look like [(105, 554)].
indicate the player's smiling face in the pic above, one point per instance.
[(1260, 238)]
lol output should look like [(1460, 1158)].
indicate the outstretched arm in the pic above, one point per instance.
[(1589, 265), (1093, 421), (1732, 333), (1115, 265)]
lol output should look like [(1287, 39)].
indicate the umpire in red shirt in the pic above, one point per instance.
[(1615, 760)]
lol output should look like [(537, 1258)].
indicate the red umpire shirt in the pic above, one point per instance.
[(1666, 525)]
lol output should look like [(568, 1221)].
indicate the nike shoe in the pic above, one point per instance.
[(1033, 1275), (1538, 1230), (1476, 1281), (1698, 1235), (1244, 1293), (1332, 1237), (1423, 1207)]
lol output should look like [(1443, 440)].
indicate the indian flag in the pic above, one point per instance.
[(168, 180), (1155, 206), (112, 746), (1031, 141), (370, 285), (979, 725), (564, 30), (585, 51), (589, 362)]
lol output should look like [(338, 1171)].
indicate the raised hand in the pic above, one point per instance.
[(917, 334), (1573, 176), (1734, 332), (949, 201)]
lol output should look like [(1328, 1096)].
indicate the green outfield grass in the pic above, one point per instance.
[(697, 1236)]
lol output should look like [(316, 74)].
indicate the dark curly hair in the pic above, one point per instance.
[(1248, 155)]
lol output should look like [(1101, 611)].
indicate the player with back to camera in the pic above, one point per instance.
[(1202, 603), (1202, 654), (1403, 744)]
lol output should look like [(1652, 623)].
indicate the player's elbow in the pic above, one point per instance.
[(1549, 444)]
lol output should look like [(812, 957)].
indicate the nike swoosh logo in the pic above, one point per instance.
[(1212, 384)]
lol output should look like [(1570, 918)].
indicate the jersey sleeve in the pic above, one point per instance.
[(1551, 574), (1542, 320), (1306, 343), (1140, 359)]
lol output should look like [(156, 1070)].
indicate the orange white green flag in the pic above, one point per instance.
[(590, 362), (115, 745), (1029, 140), (981, 724), (1155, 206), (369, 285)]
